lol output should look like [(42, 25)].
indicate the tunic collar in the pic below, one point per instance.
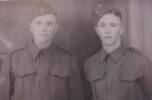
[(115, 55), (35, 51)]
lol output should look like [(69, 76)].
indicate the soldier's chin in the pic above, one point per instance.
[(43, 39), (108, 43)]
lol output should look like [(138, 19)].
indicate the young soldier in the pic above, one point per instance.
[(117, 72)]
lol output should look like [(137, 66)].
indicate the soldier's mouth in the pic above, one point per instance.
[(108, 37)]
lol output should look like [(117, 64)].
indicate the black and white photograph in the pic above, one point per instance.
[(75, 50)]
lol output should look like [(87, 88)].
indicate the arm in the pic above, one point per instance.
[(4, 77), (146, 80)]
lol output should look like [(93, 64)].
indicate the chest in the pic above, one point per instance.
[(26, 66)]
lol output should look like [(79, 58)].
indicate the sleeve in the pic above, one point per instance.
[(146, 80), (75, 83), (4, 77), (11, 79)]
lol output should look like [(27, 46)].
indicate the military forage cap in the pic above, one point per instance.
[(98, 12), (41, 9)]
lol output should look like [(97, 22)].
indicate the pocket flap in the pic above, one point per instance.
[(24, 73), (24, 70), (94, 71), (131, 71), (60, 70)]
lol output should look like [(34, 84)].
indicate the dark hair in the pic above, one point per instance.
[(113, 12)]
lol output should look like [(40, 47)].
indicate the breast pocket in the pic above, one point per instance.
[(130, 81), (24, 85), (131, 72), (94, 73), (58, 82)]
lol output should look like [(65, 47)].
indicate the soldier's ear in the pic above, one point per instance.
[(122, 30), (57, 27), (96, 30)]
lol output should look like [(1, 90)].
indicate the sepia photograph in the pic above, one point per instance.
[(75, 50)]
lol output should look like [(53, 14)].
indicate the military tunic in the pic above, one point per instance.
[(48, 74), (125, 74)]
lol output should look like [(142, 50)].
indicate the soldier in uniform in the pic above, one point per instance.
[(117, 71), (41, 70)]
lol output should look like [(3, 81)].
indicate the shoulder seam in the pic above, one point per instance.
[(64, 51)]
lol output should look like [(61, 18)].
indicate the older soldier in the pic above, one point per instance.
[(41, 70), (117, 72)]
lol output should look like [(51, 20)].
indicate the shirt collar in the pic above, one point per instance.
[(34, 50), (115, 55)]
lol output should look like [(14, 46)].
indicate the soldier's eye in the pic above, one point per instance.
[(113, 25), (38, 22), (102, 25), (49, 23)]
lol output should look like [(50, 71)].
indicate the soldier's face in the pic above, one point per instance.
[(44, 27), (109, 28)]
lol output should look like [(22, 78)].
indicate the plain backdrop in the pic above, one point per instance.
[(76, 33)]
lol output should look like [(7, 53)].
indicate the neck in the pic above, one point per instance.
[(111, 48), (42, 44)]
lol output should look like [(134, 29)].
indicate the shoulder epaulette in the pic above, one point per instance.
[(92, 54), (63, 50), (137, 51), (18, 49)]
